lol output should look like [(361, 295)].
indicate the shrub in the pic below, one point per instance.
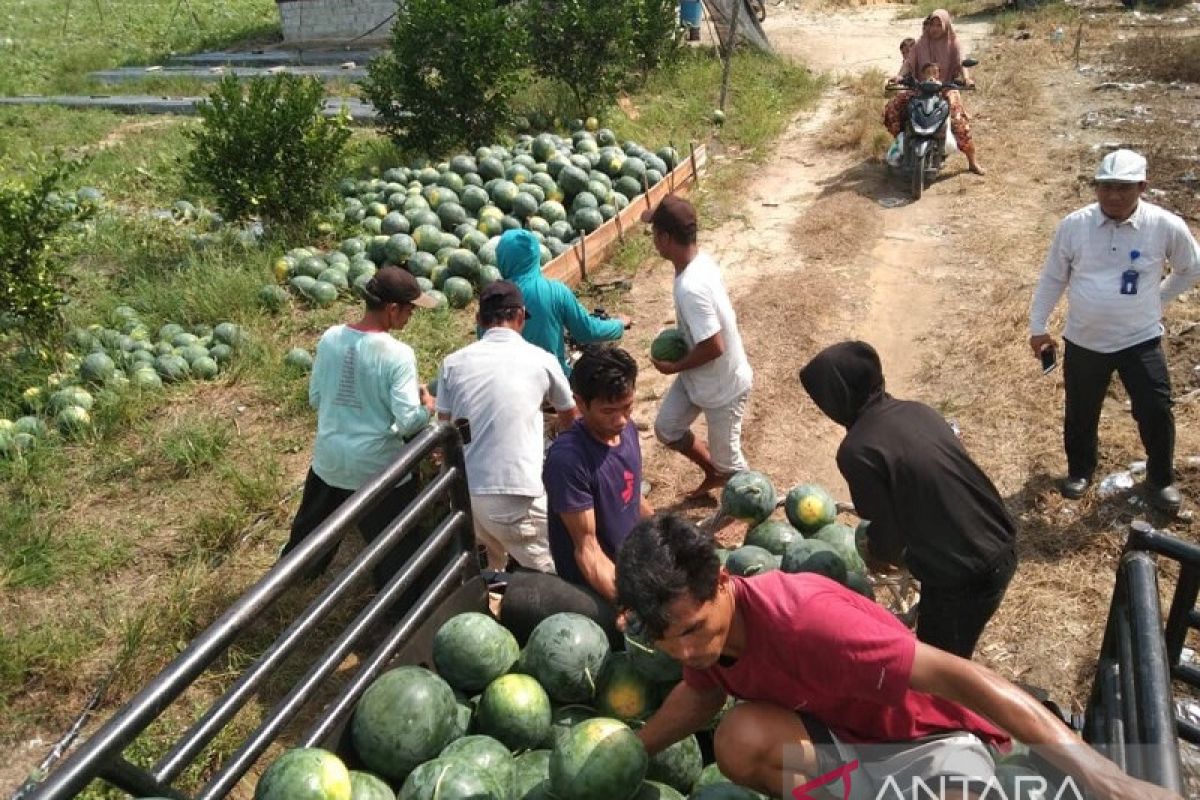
[(587, 46), (270, 152), (450, 73), (32, 216), (655, 35)]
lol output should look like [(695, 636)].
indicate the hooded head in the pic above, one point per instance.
[(843, 379), (517, 254)]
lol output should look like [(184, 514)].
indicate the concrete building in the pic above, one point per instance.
[(342, 22)]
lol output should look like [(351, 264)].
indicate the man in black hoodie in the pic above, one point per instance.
[(932, 509)]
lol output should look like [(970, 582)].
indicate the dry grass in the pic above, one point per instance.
[(858, 120), (844, 223), (1163, 58)]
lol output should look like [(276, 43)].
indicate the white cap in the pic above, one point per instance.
[(1122, 166)]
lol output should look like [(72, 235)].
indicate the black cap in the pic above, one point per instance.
[(501, 295), (396, 285)]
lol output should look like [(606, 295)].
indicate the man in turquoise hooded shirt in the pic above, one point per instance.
[(552, 306)]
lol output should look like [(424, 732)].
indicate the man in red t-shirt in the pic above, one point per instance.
[(827, 677)]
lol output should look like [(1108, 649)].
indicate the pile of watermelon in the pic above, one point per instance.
[(497, 722), (105, 362), (442, 222), (811, 540)]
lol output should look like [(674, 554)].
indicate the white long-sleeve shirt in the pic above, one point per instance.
[(1087, 259)]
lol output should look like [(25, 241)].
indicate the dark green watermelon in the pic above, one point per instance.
[(652, 790), (751, 560), (772, 535), (709, 775), (800, 551), (809, 508), (565, 653), (724, 791), (598, 759), (530, 771), (515, 710), (859, 582), (563, 719), (305, 773), (678, 766), (622, 692), (826, 563), (450, 779), (841, 539), (669, 345), (471, 650), (749, 496), (365, 786), (404, 718), (654, 665), (486, 755)]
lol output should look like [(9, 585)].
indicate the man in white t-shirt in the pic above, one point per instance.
[(1108, 257), (714, 376), (498, 385)]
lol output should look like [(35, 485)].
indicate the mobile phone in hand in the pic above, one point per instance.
[(1049, 356)]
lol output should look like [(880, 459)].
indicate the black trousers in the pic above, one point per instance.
[(320, 500), (1143, 370), (952, 618)]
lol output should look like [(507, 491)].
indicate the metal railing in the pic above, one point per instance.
[(440, 577), (1131, 714)]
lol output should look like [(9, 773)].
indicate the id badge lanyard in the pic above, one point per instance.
[(1129, 278)]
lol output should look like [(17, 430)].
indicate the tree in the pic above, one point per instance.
[(585, 45)]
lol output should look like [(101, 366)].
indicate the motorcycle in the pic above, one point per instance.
[(922, 147)]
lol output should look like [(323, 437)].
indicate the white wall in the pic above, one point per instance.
[(335, 20)]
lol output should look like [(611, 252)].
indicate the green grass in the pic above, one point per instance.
[(194, 445), (52, 51)]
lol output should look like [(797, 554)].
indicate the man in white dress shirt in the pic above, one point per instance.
[(1109, 258)]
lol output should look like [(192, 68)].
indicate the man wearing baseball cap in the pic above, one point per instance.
[(714, 375), (368, 401), (1109, 258), (498, 384)]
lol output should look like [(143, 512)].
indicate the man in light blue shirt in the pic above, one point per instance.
[(368, 401), (1109, 259)]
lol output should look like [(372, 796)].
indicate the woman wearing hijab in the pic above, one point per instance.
[(937, 45), (931, 508)]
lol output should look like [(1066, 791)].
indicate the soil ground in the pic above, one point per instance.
[(822, 246)]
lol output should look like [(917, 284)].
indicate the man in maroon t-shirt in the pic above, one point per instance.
[(817, 664)]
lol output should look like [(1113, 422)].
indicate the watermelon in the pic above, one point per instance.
[(305, 773), (749, 560), (598, 759), (565, 653), (516, 710), (404, 718), (323, 294), (399, 248), (530, 771), (859, 582), (724, 790), (458, 291), (365, 786), (272, 298), (303, 284), (428, 238), (587, 219), (678, 766), (298, 359), (463, 263), (486, 755), (442, 302), (193, 353), (749, 496), (809, 508), (73, 421), (524, 205), (97, 368), (450, 779), (145, 379), (654, 665), (487, 276), (563, 719), (71, 396), (652, 790), (421, 264), (826, 563), (772, 535), (622, 692), (801, 550), (841, 538), (393, 223), (572, 180), (669, 345), (471, 650), (709, 775), (205, 368), (451, 215)]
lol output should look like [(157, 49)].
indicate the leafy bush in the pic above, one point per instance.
[(269, 152), (585, 45), (450, 74), (32, 215), (655, 34)]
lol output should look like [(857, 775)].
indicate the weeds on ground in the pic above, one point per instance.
[(858, 121), (1163, 58)]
